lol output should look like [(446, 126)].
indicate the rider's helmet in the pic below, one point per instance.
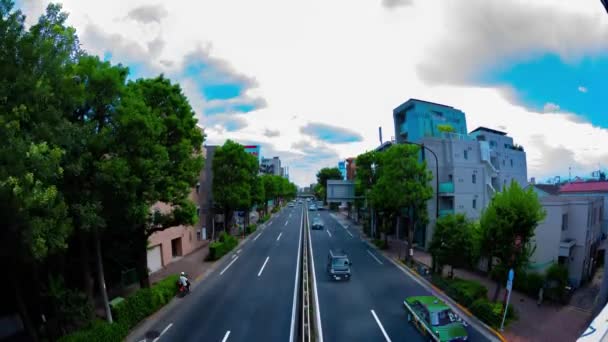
[(183, 274)]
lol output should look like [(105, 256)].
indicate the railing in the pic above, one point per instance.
[(445, 212), (446, 187), (306, 294)]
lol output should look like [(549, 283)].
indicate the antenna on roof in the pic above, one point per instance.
[(380, 134)]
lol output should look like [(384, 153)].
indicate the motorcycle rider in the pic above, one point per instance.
[(183, 280)]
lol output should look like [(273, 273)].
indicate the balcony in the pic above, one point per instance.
[(565, 247), (446, 188), (445, 212)]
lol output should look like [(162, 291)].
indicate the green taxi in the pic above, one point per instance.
[(433, 317)]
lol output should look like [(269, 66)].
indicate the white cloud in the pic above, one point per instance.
[(582, 89), (396, 3), (350, 69), (148, 14), (550, 107)]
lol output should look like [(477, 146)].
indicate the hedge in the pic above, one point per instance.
[(225, 244), (251, 228), (463, 291), (128, 313), (380, 243), (529, 283), (491, 313)]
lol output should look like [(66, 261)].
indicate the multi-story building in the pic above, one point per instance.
[(271, 166), (351, 168), (569, 235), (342, 168), (174, 242), (471, 167), (590, 188)]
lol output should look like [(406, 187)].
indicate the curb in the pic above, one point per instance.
[(414, 274), (133, 333)]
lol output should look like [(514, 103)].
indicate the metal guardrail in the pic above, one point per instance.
[(306, 293)]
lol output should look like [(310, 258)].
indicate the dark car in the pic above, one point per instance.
[(338, 265), (317, 223)]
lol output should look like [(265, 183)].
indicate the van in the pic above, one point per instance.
[(338, 265)]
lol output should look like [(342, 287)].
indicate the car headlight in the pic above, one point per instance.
[(331, 271)]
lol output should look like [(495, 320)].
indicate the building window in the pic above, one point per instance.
[(466, 154), (474, 178), (564, 222), (511, 162), (504, 162), (198, 235), (474, 203), (492, 143)]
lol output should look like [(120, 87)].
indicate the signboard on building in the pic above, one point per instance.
[(254, 150), (340, 191)]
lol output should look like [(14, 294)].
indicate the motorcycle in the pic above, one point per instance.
[(182, 290)]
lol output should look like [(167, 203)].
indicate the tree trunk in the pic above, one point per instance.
[(100, 277), (497, 291), (21, 307), (410, 238), (87, 274), (142, 259)]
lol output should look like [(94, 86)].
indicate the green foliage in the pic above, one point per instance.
[(557, 280), (380, 244), (447, 128), (452, 241), (276, 209), (251, 228), (234, 172), (491, 313), (463, 291), (322, 176), (128, 313), (507, 225), (528, 282), (69, 305), (225, 244)]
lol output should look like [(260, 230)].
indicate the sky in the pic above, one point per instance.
[(311, 81)]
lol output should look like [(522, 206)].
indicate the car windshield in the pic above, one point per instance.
[(440, 318), (339, 262)]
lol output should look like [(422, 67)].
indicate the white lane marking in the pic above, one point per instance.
[(239, 251), (351, 235), (375, 258), (226, 336), (278, 237), (295, 283), (262, 269), (381, 327), (286, 222), (162, 332), (233, 256), (314, 283), (255, 238), (327, 230), (230, 264)]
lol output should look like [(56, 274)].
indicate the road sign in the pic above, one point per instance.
[(511, 274), (509, 285), (509, 288)]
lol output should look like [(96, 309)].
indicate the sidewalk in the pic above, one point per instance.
[(193, 264), (549, 322)]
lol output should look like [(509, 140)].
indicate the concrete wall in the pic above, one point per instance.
[(547, 237)]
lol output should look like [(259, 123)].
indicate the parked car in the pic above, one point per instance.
[(312, 207), (338, 265), (317, 223), (432, 316)]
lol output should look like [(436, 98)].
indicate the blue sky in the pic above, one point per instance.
[(549, 79)]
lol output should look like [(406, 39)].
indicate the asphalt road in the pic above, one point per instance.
[(249, 297), (369, 307)]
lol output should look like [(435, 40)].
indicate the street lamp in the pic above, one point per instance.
[(422, 147)]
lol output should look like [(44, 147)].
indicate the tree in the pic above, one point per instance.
[(258, 193), (270, 190), (365, 179), (452, 242), (506, 227), (234, 171), (157, 157), (403, 182), (322, 176)]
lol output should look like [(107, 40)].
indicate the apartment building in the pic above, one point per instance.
[(471, 167), (172, 243), (569, 235), (590, 188)]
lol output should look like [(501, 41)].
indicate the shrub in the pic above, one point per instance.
[(276, 209), (491, 313), (251, 228), (225, 244), (380, 243), (127, 313), (463, 291)]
